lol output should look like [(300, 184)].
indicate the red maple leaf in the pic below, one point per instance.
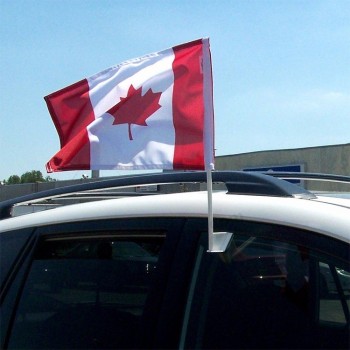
[(135, 108)]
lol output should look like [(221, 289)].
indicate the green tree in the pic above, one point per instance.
[(49, 179), (32, 176), (28, 177), (13, 179)]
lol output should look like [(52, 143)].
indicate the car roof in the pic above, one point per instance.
[(313, 213), (336, 199)]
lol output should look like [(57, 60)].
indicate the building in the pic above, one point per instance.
[(333, 159)]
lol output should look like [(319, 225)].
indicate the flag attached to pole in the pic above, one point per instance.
[(152, 112)]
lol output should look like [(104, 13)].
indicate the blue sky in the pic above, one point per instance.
[(281, 68)]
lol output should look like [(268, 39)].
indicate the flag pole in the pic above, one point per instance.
[(208, 135), (217, 241), (95, 174), (210, 211)]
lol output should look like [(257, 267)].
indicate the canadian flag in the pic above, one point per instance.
[(151, 112)]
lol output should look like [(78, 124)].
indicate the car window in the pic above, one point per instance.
[(334, 290), (11, 244), (87, 291), (267, 293)]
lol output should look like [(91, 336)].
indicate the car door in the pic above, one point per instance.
[(150, 283), (275, 287), (94, 284)]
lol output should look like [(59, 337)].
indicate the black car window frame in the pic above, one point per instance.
[(12, 244), (12, 286)]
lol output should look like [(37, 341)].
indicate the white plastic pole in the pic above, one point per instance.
[(210, 211), (95, 174)]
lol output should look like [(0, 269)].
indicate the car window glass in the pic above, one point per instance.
[(86, 292), (11, 244), (334, 288), (266, 293)]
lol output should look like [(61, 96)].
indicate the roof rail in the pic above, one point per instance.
[(309, 176), (240, 182)]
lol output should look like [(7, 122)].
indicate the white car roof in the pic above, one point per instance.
[(319, 214), (341, 201)]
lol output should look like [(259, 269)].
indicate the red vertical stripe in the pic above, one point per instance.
[(188, 106), (71, 112)]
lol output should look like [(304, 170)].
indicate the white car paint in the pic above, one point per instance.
[(323, 215)]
